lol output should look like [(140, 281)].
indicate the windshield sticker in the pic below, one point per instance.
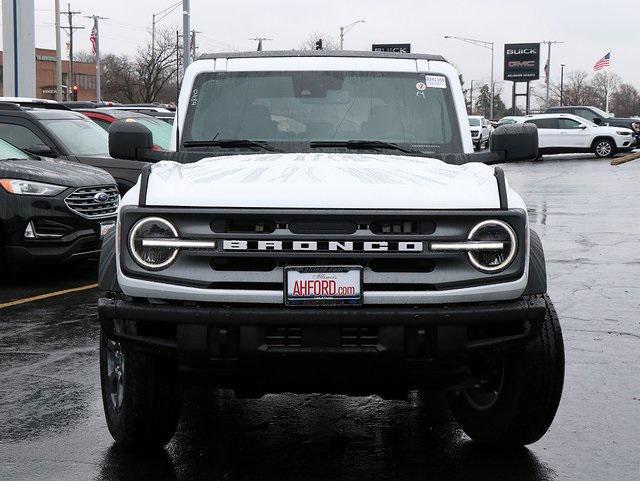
[(194, 97), (435, 82), (421, 86)]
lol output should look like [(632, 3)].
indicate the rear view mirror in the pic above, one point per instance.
[(41, 150), (597, 121), (127, 138), (583, 127), (516, 141)]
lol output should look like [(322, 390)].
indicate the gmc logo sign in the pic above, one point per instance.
[(521, 64)]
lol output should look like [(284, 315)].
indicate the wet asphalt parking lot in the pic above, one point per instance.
[(588, 216)]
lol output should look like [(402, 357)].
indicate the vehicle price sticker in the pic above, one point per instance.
[(435, 82), (324, 286)]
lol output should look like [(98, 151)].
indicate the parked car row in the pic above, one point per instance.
[(59, 187), (581, 129)]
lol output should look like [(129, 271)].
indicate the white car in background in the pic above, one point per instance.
[(566, 133), (480, 131)]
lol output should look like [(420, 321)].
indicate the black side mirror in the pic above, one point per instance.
[(597, 120), (40, 150), (516, 141), (126, 138)]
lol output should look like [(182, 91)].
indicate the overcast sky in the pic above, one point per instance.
[(590, 28)]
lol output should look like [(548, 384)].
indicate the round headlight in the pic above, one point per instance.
[(152, 257), (493, 260)]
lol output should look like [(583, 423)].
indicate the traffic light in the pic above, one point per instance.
[(319, 44), (75, 92)]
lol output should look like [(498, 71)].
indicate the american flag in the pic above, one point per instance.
[(93, 38), (603, 62)]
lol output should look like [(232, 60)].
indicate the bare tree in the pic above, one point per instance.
[(328, 42), (625, 101), (155, 68), (118, 80), (578, 89), (600, 83)]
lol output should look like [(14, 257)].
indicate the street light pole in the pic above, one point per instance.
[(562, 66), (549, 43), (346, 29), (490, 46)]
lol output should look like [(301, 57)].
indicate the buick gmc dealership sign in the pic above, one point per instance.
[(522, 62), (392, 47)]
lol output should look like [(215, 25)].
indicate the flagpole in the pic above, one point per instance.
[(95, 35)]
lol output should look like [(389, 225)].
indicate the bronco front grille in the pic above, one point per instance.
[(94, 202)]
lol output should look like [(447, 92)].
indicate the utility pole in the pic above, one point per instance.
[(562, 66), (346, 29), (193, 45), (489, 46), (95, 36), (471, 99), (186, 28), (71, 29), (260, 40), (58, 53), (549, 43)]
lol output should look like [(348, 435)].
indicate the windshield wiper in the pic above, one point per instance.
[(231, 143), (362, 144)]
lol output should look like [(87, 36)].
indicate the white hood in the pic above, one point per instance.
[(330, 181)]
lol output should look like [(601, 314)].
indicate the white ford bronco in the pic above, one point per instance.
[(325, 226)]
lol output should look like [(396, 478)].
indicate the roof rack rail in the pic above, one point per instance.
[(9, 106), (43, 105)]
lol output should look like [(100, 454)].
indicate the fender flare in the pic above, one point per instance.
[(107, 274), (537, 283)]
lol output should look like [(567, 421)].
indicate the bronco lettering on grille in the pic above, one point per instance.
[(322, 246)]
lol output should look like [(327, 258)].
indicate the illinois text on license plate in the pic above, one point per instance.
[(323, 285)]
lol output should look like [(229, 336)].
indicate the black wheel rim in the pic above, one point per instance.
[(115, 373), (486, 390)]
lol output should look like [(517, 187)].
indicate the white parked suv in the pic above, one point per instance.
[(480, 130), (325, 226), (566, 133)]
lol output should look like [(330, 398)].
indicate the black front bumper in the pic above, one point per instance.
[(346, 349), (62, 234)]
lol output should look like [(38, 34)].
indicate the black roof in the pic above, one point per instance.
[(41, 113), (323, 53)]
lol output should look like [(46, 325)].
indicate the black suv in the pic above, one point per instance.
[(52, 130), (51, 210), (600, 117)]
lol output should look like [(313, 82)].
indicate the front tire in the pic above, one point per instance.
[(516, 398), (604, 148), (141, 394)]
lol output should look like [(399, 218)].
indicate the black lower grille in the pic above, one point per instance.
[(283, 337), (346, 337), (359, 336)]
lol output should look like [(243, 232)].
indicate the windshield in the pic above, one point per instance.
[(161, 130), (79, 136), (8, 151), (292, 109), (507, 121), (474, 122), (601, 113)]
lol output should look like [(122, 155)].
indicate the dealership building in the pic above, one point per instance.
[(84, 76)]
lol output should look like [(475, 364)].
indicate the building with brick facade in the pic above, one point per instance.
[(84, 76)]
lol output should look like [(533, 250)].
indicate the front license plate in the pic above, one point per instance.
[(323, 285), (106, 227)]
